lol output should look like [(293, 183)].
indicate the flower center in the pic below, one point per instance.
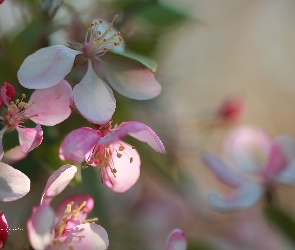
[(98, 42), (15, 113)]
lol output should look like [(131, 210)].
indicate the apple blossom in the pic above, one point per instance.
[(118, 162), (67, 226), (3, 230), (46, 107), (255, 165), (48, 66), (176, 240)]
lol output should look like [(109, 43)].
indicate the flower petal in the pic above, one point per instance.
[(130, 78), (3, 230), (13, 183), (51, 105), (30, 138), (245, 197), (78, 200), (46, 67), (94, 98), (57, 182), (176, 240), (1, 144), (287, 176), (223, 172), (137, 130), (77, 143), (277, 162), (287, 145), (13, 155), (87, 236), (39, 227), (128, 171), (248, 149)]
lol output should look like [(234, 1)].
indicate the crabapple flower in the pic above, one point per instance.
[(3, 230), (48, 66), (253, 167), (2, 1), (118, 162), (67, 226), (176, 240), (46, 107)]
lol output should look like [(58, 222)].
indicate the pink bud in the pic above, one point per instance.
[(1, 1), (3, 230), (10, 90), (231, 110)]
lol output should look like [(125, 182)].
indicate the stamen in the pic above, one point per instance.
[(90, 220)]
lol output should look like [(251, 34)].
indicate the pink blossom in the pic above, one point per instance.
[(230, 110), (118, 162), (67, 226), (176, 240), (253, 166), (46, 107), (3, 230), (2, 1), (48, 66)]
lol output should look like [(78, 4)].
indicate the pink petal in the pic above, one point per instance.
[(137, 130), (127, 173), (30, 138), (13, 155), (39, 226), (245, 197), (87, 236), (176, 240), (7, 93), (46, 67), (131, 78), (78, 200), (94, 98), (57, 182), (51, 105), (223, 172), (3, 230), (247, 148), (13, 183), (77, 143), (277, 162)]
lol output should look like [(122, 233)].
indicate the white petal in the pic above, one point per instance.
[(245, 197), (94, 98), (46, 67)]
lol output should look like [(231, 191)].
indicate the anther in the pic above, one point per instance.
[(23, 96), (131, 159), (121, 148), (84, 166), (119, 155)]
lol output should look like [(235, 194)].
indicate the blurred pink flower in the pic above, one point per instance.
[(2, 1), (3, 230), (118, 161), (67, 226), (176, 240), (46, 107), (255, 165), (93, 97)]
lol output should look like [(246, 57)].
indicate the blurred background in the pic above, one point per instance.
[(207, 51)]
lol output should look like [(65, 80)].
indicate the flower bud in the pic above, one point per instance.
[(3, 230)]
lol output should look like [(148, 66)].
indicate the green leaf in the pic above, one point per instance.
[(281, 220), (163, 15), (146, 61)]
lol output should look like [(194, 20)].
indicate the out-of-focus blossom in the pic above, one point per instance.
[(13, 183), (46, 107), (176, 240), (119, 163), (2, 1), (67, 226), (255, 165), (93, 97), (230, 110), (3, 230)]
